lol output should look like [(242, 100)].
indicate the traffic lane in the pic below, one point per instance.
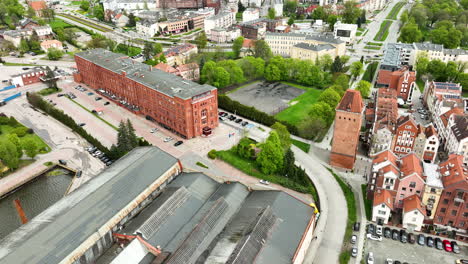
[(95, 127)]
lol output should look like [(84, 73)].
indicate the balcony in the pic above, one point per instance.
[(458, 200)]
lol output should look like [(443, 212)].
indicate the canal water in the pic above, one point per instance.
[(35, 196)]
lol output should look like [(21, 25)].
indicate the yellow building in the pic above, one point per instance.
[(433, 189), (305, 51)]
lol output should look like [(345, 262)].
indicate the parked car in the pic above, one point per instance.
[(374, 237), (388, 261), (168, 139), (397, 262), (82, 124), (387, 232), (90, 93), (370, 258), (232, 117), (455, 247), (106, 103), (438, 243), (78, 174), (238, 120), (178, 143), (221, 113), (4, 81), (395, 234), (108, 163), (25, 68), (354, 252), (98, 98), (221, 118), (357, 226), (403, 236), (379, 230), (353, 239), (411, 238), (421, 240), (225, 114), (461, 261), (430, 242), (62, 162), (245, 123), (447, 246), (264, 182), (371, 229)]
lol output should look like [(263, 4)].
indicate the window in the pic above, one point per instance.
[(454, 212), (457, 204), (448, 193), (442, 210), (383, 205), (445, 201), (382, 212), (465, 214), (462, 223), (440, 219), (414, 219), (404, 188), (415, 212)]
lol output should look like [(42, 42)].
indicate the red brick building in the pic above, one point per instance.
[(184, 107), (452, 210), (402, 80), (32, 76), (406, 132), (348, 122)]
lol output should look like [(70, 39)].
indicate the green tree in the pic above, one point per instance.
[(13, 138), (342, 80), (451, 71), (84, 5), (252, 67), (337, 65), (201, 40), (9, 154), (331, 20), (290, 21), (207, 72), (157, 48), (313, 127), (245, 148), (283, 134), (290, 7), (410, 33), (272, 73), (421, 64), (236, 75), (262, 50), (323, 111), (50, 79), (60, 34), (98, 12), (123, 142), (162, 58), (237, 46), (131, 20), (271, 13), (357, 68), (325, 62), (330, 96), (437, 69), (30, 148), (351, 12), (320, 13), (23, 46), (148, 50), (270, 158), (54, 54), (364, 87), (132, 137), (30, 12)]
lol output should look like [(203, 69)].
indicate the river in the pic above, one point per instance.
[(35, 196)]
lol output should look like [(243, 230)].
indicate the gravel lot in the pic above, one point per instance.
[(411, 253), (269, 98)]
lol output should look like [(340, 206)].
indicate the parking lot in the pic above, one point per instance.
[(270, 98), (410, 253)]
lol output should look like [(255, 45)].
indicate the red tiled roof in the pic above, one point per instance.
[(412, 203), (453, 171), (248, 43), (351, 102), (38, 5), (384, 77), (187, 67), (445, 116), (384, 196), (384, 156), (430, 131), (165, 67), (411, 164), (311, 8)]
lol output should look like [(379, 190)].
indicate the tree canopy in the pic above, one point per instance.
[(364, 87)]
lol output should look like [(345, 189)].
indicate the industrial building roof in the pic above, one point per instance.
[(54, 234), (429, 46), (158, 80), (393, 53), (317, 37), (199, 219)]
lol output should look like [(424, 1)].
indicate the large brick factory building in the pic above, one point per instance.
[(184, 107)]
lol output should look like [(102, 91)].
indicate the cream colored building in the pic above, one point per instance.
[(305, 51), (283, 43), (433, 189)]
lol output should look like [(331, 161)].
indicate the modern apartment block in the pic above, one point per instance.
[(348, 122), (184, 107)]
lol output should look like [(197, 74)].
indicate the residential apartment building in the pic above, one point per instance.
[(348, 120), (413, 213), (405, 134), (224, 19), (441, 91), (189, 71), (382, 206), (128, 5), (223, 35), (53, 43), (180, 54), (38, 6), (402, 80), (174, 22), (457, 139), (433, 189), (31, 76), (452, 211), (427, 144), (182, 106), (438, 52), (283, 43), (250, 14)]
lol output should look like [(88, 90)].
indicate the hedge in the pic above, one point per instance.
[(252, 113), (36, 101)]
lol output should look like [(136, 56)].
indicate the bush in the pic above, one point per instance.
[(20, 131), (4, 120), (212, 154), (13, 122), (30, 131)]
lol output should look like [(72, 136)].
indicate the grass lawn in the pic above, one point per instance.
[(395, 10), (201, 165), (56, 23), (374, 44), (250, 167), (296, 112), (18, 64), (420, 84), (48, 91), (367, 202), (383, 31), (351, 204), (41, 145), (372, 48), (22, 164), (76, 2), (370, 72), (302, 145)]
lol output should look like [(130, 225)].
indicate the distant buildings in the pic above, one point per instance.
[(128, 5), (283, 43), (38, 6), (256, 29), (224, 19), (184, 107), (306, 51), (403, 80), (189, 71), (348, 120), (180, 54), (15, 36), (29, 77), (47, 44), (223, 35), (345, 32), (250, 14), (165, 215)]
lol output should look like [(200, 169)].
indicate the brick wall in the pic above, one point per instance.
[(345, 139)]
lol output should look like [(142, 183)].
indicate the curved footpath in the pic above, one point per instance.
[(329, 232)]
